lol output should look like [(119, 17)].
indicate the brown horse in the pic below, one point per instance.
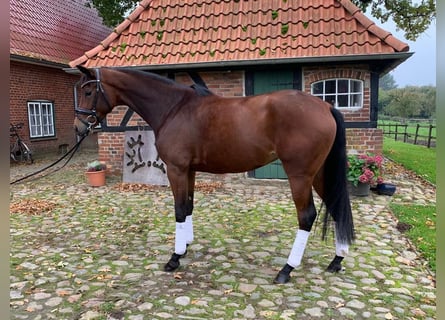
[(197, 130)]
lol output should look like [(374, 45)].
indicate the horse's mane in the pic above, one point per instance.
[(199, 89)]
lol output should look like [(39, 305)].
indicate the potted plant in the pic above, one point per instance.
[(96, 173), (364, 171)]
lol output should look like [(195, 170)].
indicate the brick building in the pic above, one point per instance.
[(44, 36), (237, 48)]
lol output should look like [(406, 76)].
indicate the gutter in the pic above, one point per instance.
[(396, 58), (39, 62)]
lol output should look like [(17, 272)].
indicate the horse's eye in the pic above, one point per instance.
[(87, 93)]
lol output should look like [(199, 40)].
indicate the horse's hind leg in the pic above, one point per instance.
[(302, 195), (341, 248)]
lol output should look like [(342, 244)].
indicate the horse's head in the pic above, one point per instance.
[(92, 105)]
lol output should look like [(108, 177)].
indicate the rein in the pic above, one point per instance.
[(72, 151)]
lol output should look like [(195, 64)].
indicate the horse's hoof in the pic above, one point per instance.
[(171, 266), (173, 263), (281, 278), (334, 267)]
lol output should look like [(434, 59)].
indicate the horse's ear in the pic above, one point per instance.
[(85, 71)]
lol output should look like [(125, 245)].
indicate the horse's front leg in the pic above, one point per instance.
[(182, 185)]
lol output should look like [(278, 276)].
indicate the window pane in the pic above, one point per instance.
[(356, 100), (356, 86), (317, 88), (342, 100), (343, 86), (330, 98), (330, 86)]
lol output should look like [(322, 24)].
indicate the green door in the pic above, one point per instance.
[(263, 82)]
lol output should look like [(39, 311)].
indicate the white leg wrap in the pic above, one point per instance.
[(297, 251), (189, 228), (181, 238), (341, 249)]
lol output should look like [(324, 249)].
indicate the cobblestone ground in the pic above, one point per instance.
[(79, 252)]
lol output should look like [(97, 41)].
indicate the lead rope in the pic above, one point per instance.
[(72, 151)]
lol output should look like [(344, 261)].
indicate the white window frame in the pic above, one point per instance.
[(41, 119), (352, 94)]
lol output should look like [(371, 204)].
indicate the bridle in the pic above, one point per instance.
[(92, 117)]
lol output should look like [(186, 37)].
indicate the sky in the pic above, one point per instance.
[(420, 68)]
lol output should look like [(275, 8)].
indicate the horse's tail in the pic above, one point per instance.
[(336, 195)]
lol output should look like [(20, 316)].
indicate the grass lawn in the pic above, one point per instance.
[(422, 233), (422, 219), (419, 159)]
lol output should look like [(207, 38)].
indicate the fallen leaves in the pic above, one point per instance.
[(208, 187), (204, 187), (31, 206), (135, 187)]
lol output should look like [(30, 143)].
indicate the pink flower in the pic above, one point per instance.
[(378, 160), (368, 173), (363, 178)]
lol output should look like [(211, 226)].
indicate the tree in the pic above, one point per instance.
[(387, 82), (384, 100), (409, 102), (113, 12), (413, 19), (403, 103)]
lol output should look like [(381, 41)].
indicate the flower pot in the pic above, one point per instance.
[(361, 190), (96, 178)]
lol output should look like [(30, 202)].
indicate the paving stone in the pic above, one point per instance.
[(182, 301), (355, 304), (247, 288), (247, 313), (145, 306), (314, 312)]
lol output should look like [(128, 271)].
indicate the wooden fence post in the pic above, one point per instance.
[(417, 132), (429, 135)]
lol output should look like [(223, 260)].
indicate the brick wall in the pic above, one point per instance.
[(368, 140), (34, 82), (358, 140), (111, 144)]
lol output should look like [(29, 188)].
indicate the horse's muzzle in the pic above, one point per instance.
[(81, 128)]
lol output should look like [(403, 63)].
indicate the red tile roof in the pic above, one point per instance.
[(55, 31), (166, 32)]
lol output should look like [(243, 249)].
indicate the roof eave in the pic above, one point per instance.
[(40, 62), (393, 59)]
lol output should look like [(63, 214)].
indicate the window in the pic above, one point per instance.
[(41, 119), (342, 93)]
